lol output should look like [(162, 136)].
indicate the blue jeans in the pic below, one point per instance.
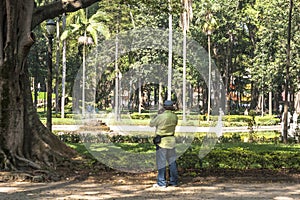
[(162, 156)]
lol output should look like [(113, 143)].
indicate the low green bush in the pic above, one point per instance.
[(235, 124), (246, 137), (193, 119), (74, 137), (241, 158), (255, 137), (266, 120), (140, 116), (228, 120), (236, 118)]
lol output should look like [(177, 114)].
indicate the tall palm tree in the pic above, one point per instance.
[(186, 17), (208, 28), (86, 29), (170, 52)]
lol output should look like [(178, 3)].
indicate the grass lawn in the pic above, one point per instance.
[(223, 155)]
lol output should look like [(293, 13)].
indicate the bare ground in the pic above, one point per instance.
[(109, 185)]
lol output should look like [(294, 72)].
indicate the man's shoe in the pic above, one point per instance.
[(158, 186), (172, 185)]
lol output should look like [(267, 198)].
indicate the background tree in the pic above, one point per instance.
[(249, 47), (37, 67)]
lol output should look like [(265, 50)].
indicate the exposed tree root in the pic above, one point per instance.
[(28, 162)]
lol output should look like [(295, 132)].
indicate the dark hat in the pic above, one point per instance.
[(168, 103)]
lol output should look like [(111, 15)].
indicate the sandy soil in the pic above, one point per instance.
[(114, 185)]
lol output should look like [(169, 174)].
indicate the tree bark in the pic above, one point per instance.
[(24, 140)]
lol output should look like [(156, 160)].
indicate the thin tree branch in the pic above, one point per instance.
[(57, 8)]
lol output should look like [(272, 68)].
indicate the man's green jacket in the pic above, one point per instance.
[(165, 124)]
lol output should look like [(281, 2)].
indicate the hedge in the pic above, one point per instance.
[(239, 158), (234, 120)]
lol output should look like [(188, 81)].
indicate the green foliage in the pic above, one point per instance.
[(140, 116), (254, 137), (81, 23), (144, 119), (237, 156), (247, 158), (69, 137), (227, 137), (249, 43), (236, 118), (267, 120), (243, 156), (74, 137), (228, 120)]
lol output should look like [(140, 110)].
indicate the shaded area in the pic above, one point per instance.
[(209, 184)]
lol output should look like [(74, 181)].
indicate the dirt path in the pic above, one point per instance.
[(138, 187), (90, 190)]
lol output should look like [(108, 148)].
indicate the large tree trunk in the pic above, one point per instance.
[(24, 140)]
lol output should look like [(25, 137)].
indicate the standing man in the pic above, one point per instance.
[(165, 124)]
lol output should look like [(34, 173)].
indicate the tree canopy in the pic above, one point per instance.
[(249, 47)]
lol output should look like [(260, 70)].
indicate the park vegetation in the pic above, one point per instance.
[(249, 41)]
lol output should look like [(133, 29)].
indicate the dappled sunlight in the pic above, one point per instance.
[(122, 188), (8, 189)]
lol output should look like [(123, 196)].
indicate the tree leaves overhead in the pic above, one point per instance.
[(80, 22), (248, 38)]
